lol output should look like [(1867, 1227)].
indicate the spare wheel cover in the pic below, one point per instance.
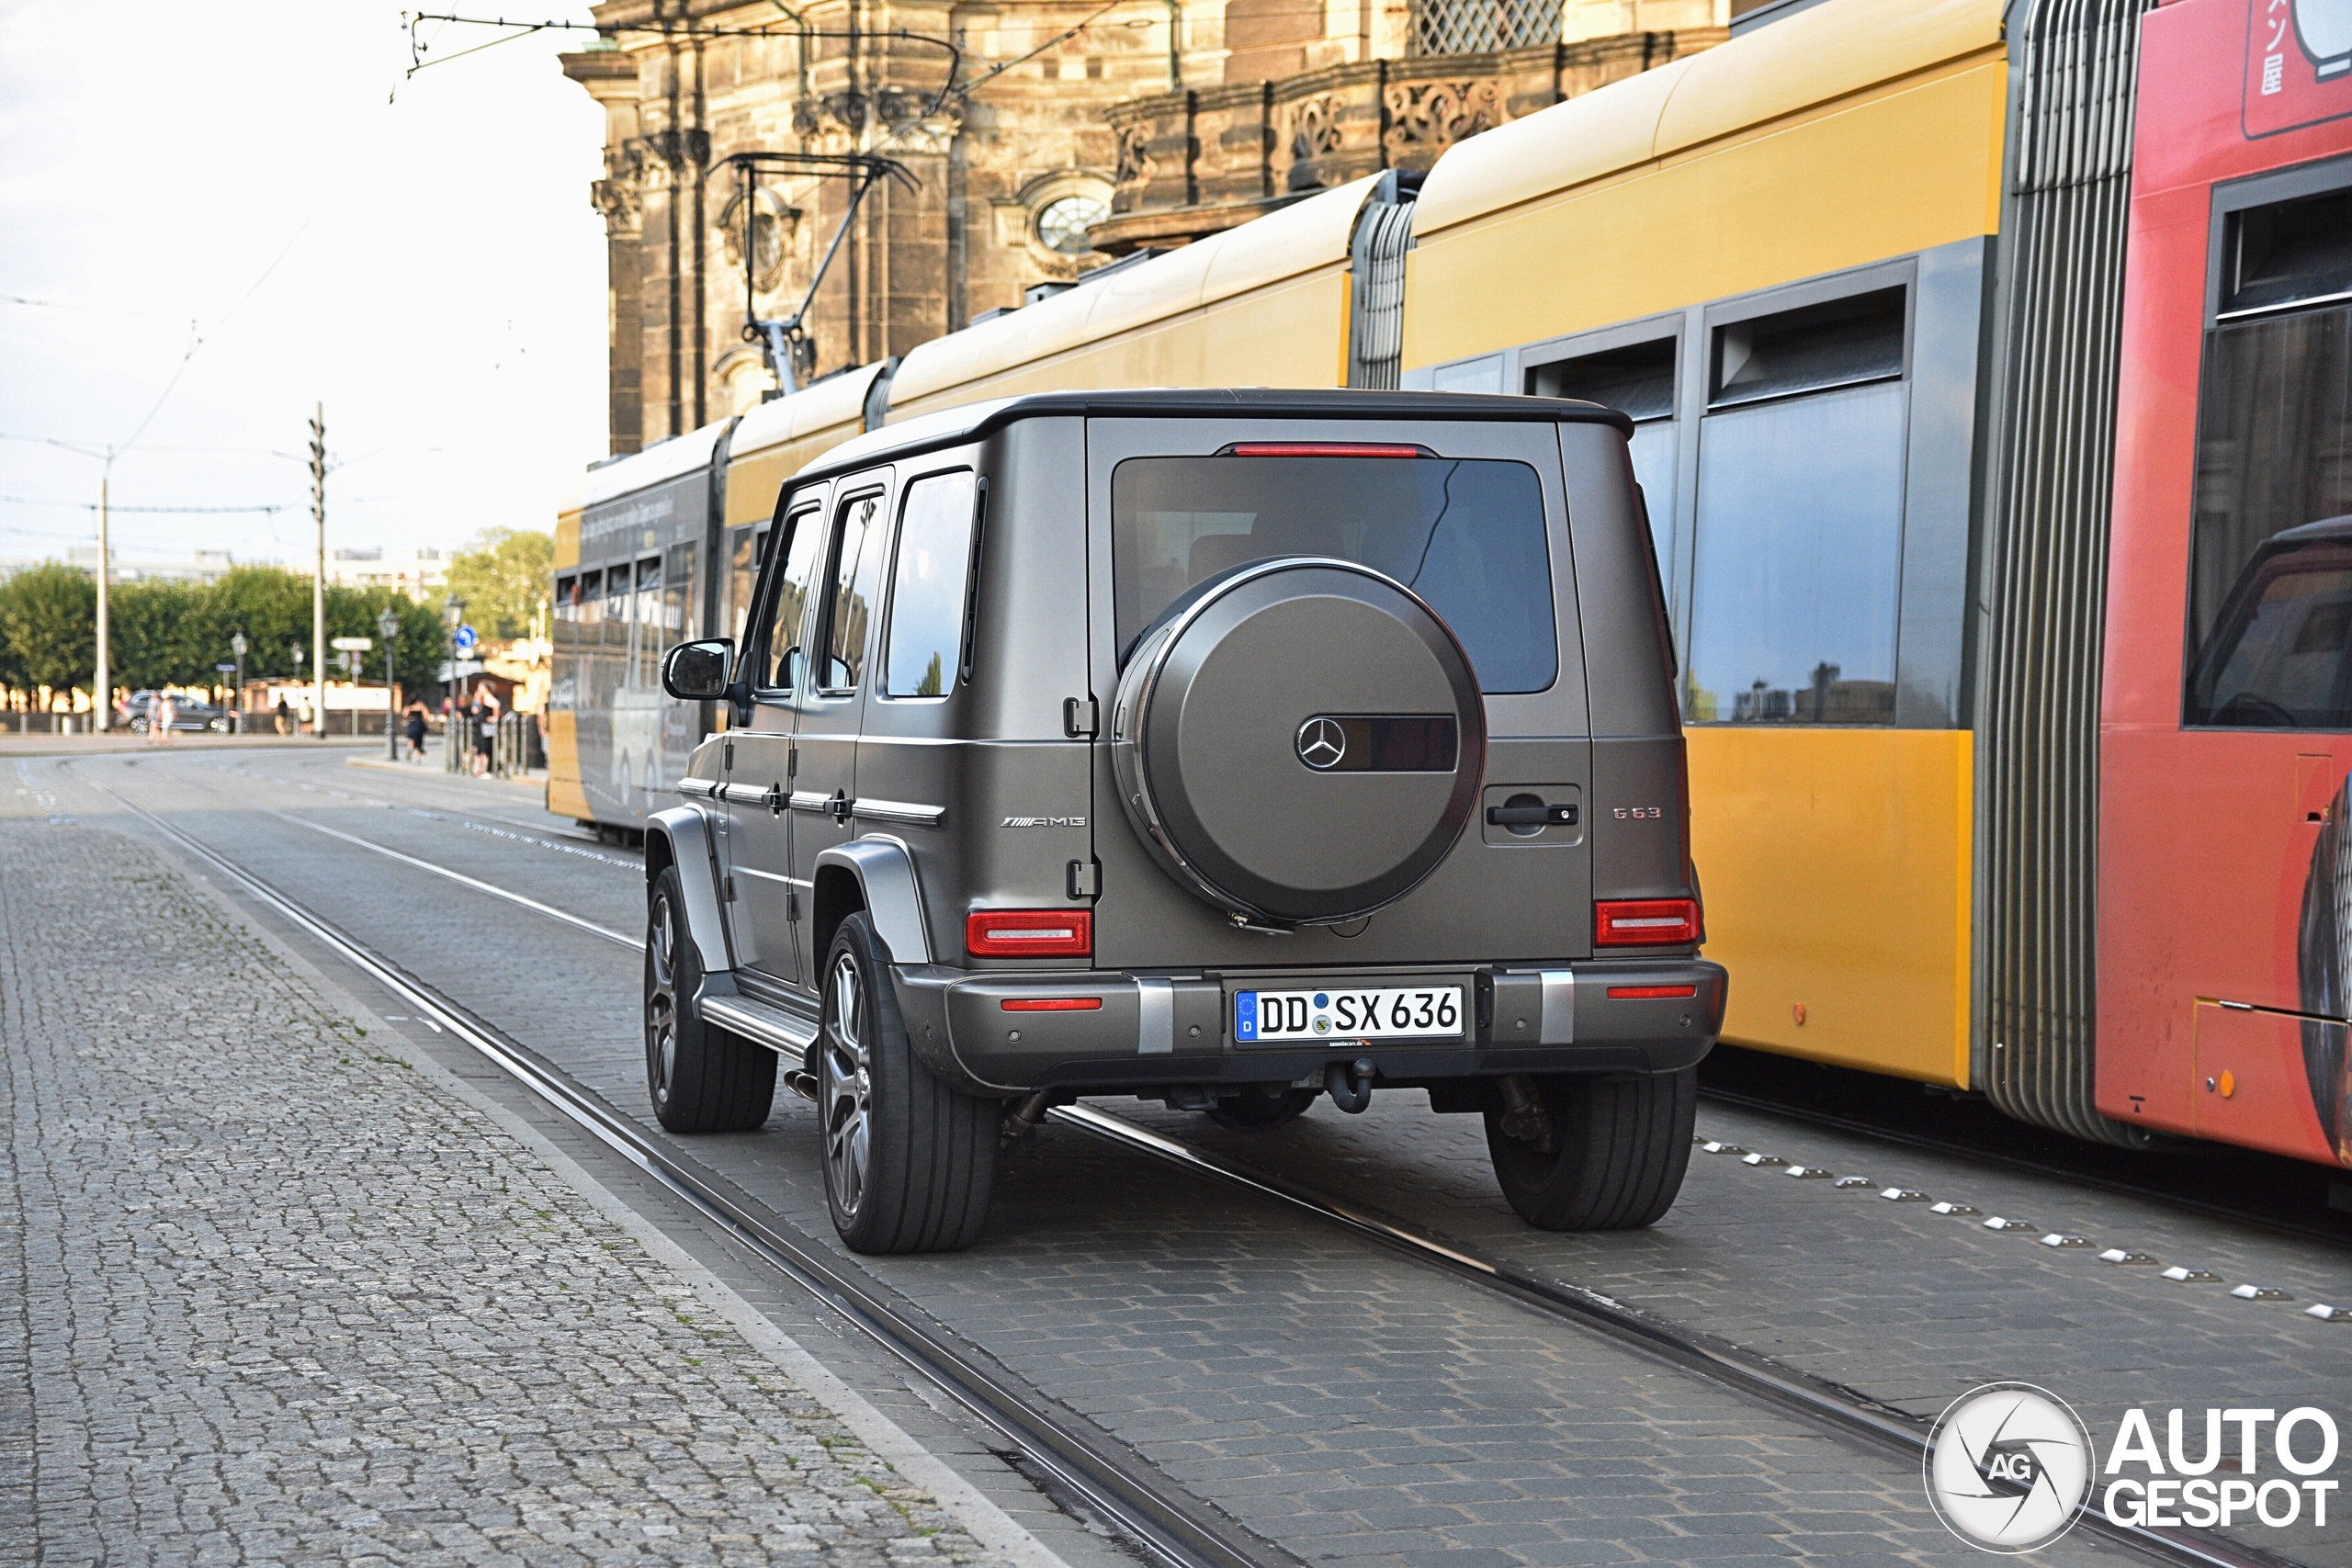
[(1301, 742)]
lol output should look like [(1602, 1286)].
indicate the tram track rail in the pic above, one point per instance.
[(1167, 1523)]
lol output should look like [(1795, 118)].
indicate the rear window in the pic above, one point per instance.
[(1467, 536)]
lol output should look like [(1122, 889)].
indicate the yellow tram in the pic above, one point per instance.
[(1786, 257)]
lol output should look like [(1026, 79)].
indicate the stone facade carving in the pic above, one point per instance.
[(1325, 127), (1184, 122)]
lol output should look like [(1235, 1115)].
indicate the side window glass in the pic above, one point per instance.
[(784, 661), (925, 646), (2270, 563), (849, 609)]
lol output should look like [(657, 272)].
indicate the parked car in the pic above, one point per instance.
[(186, 716), (1226, 748)]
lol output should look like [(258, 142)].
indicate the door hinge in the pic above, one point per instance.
[(1078, 717), (792, 906), (778, 797), (727, 888), (792, 761), (840, 806), (730, 756), (1086, 879)]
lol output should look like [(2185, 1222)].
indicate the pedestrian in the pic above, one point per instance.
[(484, 715), (285, 714), (416, 732), (160, 715)]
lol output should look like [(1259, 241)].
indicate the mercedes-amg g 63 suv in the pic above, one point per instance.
[(1224, 748)]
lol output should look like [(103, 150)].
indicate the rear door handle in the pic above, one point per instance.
[(1562, 816)]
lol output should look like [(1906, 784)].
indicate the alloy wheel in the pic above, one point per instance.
[(848, 1088), (662, 1002)]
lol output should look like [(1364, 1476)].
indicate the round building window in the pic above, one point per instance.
[(1062, 223)]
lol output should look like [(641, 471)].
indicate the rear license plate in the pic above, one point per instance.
[(1266, 1017)]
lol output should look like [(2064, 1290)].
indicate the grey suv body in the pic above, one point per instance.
[(1221, 748)]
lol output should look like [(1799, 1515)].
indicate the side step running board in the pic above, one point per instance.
[(787, 1034)]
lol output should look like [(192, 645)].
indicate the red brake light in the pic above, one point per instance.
[(1052, 1004), (1646, 922), (1646, 993), (1029, 933), (1321, 449)]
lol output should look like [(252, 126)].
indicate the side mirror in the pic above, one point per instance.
[(697, 671)]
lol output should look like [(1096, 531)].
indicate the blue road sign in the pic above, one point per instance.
[(465, 640)]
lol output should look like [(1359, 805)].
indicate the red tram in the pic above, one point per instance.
[(2224, 981)]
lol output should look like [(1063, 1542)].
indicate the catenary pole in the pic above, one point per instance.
[(102, 684), (319, 577)]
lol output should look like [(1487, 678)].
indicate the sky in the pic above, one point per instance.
[(224, 216)]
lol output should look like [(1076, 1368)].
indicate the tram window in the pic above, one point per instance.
[(1798, 555), (1840, 343), (649, 593), (2274, 446), (590, 608), (925, 646), (616, 594), (2288, 254), (2282, 656), (678, 576), (567, 594), (1639, 381), (804, 543)]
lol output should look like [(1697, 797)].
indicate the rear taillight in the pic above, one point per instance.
[(1052, 1004), (1646, 922), (1649, 993), (1029, 933)]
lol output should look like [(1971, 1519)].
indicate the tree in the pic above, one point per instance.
[(503, 579), (49, 619)]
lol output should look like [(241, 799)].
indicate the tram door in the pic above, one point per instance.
[(767, 902)]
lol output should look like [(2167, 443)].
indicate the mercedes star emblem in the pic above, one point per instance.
[(1322, 743)]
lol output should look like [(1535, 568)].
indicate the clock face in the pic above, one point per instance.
[(1063, 222)]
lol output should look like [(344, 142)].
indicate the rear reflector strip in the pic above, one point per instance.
[(1321, 449), (1638, 993), (1029, 933), (1052, 1004), (1646, 922)]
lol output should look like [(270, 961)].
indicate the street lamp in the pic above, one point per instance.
[(387, 626), (237, 645)]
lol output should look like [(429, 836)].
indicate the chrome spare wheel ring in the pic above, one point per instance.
[(662, 1002), (848, 1088)]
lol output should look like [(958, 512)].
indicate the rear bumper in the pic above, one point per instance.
[(1616, 1015)]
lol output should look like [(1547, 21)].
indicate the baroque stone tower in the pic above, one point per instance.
[(1015, 128)]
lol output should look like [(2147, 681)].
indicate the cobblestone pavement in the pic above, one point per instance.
[(1352, 1409), (271, 1293)]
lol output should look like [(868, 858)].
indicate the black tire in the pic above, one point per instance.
[(1619, 1151), (1253, 1110), (910, 1163), (701, 1078)]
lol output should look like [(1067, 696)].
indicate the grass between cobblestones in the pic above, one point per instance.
[(282, 1298)]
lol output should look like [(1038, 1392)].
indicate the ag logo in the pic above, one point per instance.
[(2008, 1468), (1322, 743)]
